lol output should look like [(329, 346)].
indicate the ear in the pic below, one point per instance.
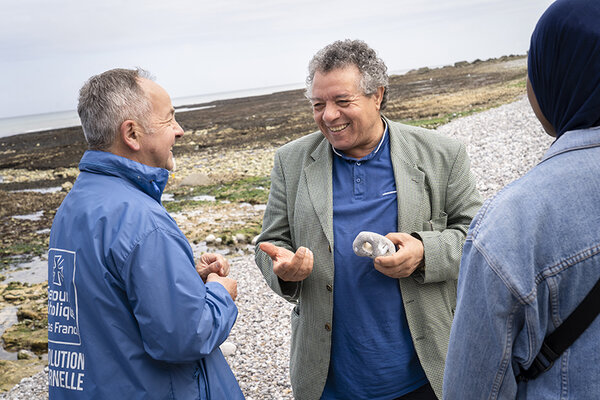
[(130, 133), (379, 96)]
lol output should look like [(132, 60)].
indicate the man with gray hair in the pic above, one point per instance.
[(130, 315), (362, 328)]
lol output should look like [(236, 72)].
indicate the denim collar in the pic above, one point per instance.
[(151, 180), (574, 140)]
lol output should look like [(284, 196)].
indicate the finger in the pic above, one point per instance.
[(212, 277), (270, 249), (223, 265), (215, 267), (298, 261), (308, 260), (286, 270), (388, 261), (208, 258)]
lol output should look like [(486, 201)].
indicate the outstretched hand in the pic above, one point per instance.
[(212, 263), (288, 266), (408, 257)]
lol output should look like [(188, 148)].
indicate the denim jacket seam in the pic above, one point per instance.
[(524, 300), (506, 355), (508, 341), (550, 271)]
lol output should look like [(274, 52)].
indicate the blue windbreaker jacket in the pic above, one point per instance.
[(128, 315)]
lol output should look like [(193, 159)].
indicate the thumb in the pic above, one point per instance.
[(215, 267)]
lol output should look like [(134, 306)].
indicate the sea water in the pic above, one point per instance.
[(64, 119)]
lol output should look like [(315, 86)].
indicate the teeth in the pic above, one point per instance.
[(338, 128)]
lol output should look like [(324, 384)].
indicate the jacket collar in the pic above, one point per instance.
[(320, 188), (150, 180), (410, 181), (574, 140)]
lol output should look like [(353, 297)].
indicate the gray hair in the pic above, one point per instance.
[(107, 100), (343, 53)]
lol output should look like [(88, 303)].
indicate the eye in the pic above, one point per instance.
[(318, 106), (343, 103)]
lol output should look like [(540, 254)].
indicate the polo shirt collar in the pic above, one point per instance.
[(371, 154)]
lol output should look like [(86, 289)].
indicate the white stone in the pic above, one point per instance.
[(371, 244), (228, 348)]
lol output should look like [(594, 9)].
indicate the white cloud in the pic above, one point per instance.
[(198, 46)]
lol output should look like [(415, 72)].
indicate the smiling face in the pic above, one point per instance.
[(161, 130), (349, 119)]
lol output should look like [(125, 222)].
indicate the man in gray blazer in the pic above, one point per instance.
[(362, 328)]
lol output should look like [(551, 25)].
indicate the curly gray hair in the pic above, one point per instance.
[(107, 100), (343, 53)]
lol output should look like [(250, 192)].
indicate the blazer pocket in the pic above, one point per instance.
[(436, 224)]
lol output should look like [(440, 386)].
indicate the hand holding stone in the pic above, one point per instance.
[(371, 244), (409, 257)]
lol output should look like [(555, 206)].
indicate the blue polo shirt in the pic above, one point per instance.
[(372, 353)]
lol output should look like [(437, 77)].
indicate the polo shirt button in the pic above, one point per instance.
[(329, 287), (328, 327)]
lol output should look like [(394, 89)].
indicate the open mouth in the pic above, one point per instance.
[(338, 128)]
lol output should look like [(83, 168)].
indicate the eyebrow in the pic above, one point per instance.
[(340, 96)]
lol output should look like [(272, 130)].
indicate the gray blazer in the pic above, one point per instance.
[(437, 199)]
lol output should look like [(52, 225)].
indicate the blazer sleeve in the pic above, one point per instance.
[(276, 230), (443, 243)]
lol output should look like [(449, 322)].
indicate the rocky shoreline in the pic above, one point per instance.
[(218, 193)]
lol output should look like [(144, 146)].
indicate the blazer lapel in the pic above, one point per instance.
[(410, 183), (318, 177)]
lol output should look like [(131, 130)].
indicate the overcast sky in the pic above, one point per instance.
[(194, 47)]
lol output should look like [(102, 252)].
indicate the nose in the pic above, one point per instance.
[(178, 130), (330, 113)]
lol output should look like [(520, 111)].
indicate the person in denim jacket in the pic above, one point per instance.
[(533, 252)]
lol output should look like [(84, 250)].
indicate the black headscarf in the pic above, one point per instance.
[(564, 64)]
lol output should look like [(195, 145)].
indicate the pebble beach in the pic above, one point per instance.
[(503, 143)]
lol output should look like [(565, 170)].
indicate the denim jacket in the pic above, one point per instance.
[(531, 255)]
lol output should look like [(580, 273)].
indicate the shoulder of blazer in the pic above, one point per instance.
[(303, 147)]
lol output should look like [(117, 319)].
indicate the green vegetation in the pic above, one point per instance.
[(250, 229), (520, 83), (27, 334), (22, 251), (11, 372), (253, 190), (180, 205), (434, 122)]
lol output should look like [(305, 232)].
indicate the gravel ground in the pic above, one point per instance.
[(503, 144)]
